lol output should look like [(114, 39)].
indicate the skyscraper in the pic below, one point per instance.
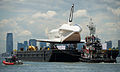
[(9, 43), (32, 42), (119, 46), (25, 45), (20, 46), (109, 44), (118, 43), (42, 44)]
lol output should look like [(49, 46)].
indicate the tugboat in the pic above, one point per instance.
[(12, 61), (92, 50)]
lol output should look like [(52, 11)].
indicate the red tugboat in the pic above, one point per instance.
[(92, 50), (12, 61)]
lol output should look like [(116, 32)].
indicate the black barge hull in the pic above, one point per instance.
[(49, 56)]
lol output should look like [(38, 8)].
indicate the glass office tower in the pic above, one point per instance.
[(9, 43)]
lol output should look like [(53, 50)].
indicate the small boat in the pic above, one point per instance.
[(8, 63), (12, 61)]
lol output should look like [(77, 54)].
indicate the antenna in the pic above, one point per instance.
[(91, 27), (71, 13)]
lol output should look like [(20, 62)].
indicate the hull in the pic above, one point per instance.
[(8, 63), (98, 60), (12, 63), (49, 56), (109, 58), (63, 56)]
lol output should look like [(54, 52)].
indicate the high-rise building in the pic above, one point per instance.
[(9, 43), (25, 45), (118, 43), (32, 42), (20, 46), (42, 44), (109, 44), (119, 46)]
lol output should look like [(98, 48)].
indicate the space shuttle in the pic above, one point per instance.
[(68, 32)]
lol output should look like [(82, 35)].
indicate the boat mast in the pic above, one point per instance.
[(91, 27)]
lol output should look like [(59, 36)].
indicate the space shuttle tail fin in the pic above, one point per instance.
[(71, 14)]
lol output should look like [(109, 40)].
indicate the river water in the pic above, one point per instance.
[(61, 67)]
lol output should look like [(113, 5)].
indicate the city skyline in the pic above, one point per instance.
[(26, 44), (33, 42), (33, 19), (23, 45)]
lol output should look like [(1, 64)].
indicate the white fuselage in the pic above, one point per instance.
[(66, 32)]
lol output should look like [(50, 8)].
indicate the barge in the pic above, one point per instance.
[(50, 56)]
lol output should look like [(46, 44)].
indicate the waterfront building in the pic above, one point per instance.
[(104, 46), (118, 43), (5, 54), (20, 46), (109, 44), (25, 45), (42, 44), (32, 42), (119, 46), (9, 43)]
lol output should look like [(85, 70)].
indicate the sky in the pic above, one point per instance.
[(33, 19)]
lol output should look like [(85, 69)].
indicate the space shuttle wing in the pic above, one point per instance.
[(47, 40), (57, 41)]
